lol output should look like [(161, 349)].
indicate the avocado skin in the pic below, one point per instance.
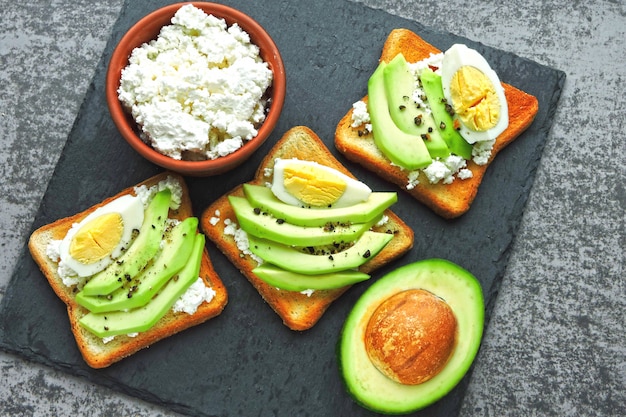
[(141, 251), (399, 86), (369, 387)]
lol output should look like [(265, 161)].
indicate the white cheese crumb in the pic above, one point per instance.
[(195, 295), (215, 219), (145, 194), (107, 339), (360, 115), (481, 151), (241, 239), (308, 293)]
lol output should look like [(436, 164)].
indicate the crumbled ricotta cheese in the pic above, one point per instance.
[(145, 193), (481, 151), (195, 295), (360, 115), (198, 89), (241, 239), (215, 219), (308, 293)]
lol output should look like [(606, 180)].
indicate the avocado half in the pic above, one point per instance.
[(370, 387)]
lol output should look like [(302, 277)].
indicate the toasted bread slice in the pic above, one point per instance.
[(94, 350), (298, 311), (447, 200)]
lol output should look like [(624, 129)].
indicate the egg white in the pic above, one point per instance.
[(460, 55), (130, 209), (356, 191)]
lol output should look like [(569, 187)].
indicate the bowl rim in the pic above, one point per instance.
[(153, 20)]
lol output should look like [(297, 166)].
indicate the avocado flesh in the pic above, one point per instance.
[(296, 260), (293, 281), (140, 252), (403, 149), (431, 83), (367, 211), (143, 318), (365, 383), (266, 226), (414, 120), (140, 289)]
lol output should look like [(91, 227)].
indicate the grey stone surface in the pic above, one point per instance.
[(555, 345)]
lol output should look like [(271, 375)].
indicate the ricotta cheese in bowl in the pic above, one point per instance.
[(196, 87)]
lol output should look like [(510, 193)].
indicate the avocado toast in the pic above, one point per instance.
[(448, 200), (141, 316), (299, 303)]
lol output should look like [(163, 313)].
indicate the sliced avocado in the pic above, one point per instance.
[(262, 197), (296, 260), (403, 149), (261, 224), (293, 281), (140, 289), (370, 387), (140, 252), (431, 83), (143, 318), (409, 116)]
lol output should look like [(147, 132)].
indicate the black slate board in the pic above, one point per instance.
[(246, 362)]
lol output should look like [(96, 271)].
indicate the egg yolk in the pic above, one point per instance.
[(97, 238), (474, 98), (313, 186)]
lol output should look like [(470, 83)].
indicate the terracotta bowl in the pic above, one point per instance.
[(147, 29)]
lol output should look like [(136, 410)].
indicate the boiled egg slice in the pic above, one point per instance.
[(309, 184), (475, 93), (101, 237)]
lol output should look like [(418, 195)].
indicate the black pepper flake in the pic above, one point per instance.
[(106, 327), (280, 221), (153, 226), (430, 130), (109, 297), (442, 125), (127, 276), (402, 107), (449, 110), (367, 254), (257, 210), (129, 295), (418, 120), (331, 257)]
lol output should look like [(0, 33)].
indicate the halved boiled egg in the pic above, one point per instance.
[(101, 237), (475, 93), (309, 184)]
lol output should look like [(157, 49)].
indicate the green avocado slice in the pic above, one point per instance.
[(406, 114), (371, 388), (431, 83), (265, 226), (140, 289), (293, 281), (140, 252), (403, 149), (143, 318), (262, 197), (296, 260)]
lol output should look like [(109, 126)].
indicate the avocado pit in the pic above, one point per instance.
[(410, 336)]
